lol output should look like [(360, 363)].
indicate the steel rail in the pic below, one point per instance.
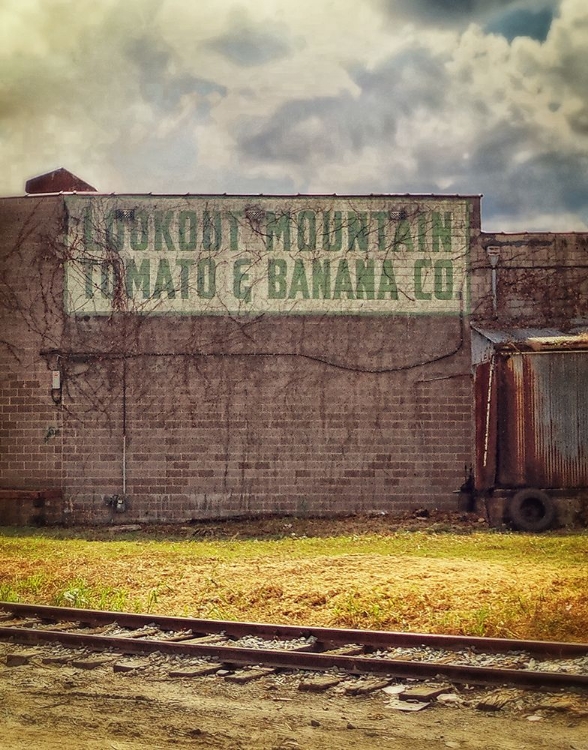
[(342, 636), (235, 656)]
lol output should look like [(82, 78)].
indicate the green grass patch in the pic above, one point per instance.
[(478, 583)]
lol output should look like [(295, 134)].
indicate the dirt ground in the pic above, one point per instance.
[(64, 707), (53, 707), (269, 527)]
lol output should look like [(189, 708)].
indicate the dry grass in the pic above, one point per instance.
[(473, 582)]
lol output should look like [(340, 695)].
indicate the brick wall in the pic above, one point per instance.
[(235, 432), (234, 416), (30, 319), (542, 280)]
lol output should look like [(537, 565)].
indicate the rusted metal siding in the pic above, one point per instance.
[(543, 419), (485, 390)]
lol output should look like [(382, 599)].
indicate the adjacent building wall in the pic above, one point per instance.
[(541, 280)]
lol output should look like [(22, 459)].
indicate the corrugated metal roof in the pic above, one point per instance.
[(535, 339)]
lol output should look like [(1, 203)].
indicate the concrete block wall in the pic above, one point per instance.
[(239, 433), (542, 280), (30, 320), (243, 416)]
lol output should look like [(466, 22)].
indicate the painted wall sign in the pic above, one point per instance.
[(216, 255)]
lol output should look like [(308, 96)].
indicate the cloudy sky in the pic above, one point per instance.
[(288, 96)]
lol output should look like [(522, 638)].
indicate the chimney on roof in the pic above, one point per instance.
[(58, 181)]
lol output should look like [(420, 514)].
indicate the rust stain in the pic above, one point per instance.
[(543, 420), (485, 391)]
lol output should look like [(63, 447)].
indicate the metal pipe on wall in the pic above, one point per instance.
[(493, 256), (124, 430)]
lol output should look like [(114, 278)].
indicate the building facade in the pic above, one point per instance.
[(167, 358)]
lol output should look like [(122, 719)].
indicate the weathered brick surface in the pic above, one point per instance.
[(245, 416), (30, 319), (542, 280), (230, 433)]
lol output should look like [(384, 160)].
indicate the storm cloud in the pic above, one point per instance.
[(461, 13), (311, 129), (467, 96)]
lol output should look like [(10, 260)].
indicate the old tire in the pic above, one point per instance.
[(531, 510)]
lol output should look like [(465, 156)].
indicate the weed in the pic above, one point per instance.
[(26, 588), (8, 593), (152, 599), (479, 621), (480, 583), (359, 610), (75, 595)]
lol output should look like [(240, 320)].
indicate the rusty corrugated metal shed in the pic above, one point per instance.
[(543, 419), (487, 340), (532, 409)]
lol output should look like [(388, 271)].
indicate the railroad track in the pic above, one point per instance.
[(463, 660)]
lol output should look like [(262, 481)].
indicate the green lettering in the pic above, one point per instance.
[(419, 292), (402, 235), (187, 222), (443, 279), (89, 243), (332, 238), (321, 279), (442, 231), (164, 281), (422, 232), (276, 278), (382, 219), (234, 229), (387, 281), (239, 278), (278, 229), (343, 283), (357, 230), (306, 230), (140, 230), (115, 232), (88, 271), (211, 231), (162, 221), (138, 278), (185, 265), (365, 279), (299, 281), (106, 280), (206, 278)]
